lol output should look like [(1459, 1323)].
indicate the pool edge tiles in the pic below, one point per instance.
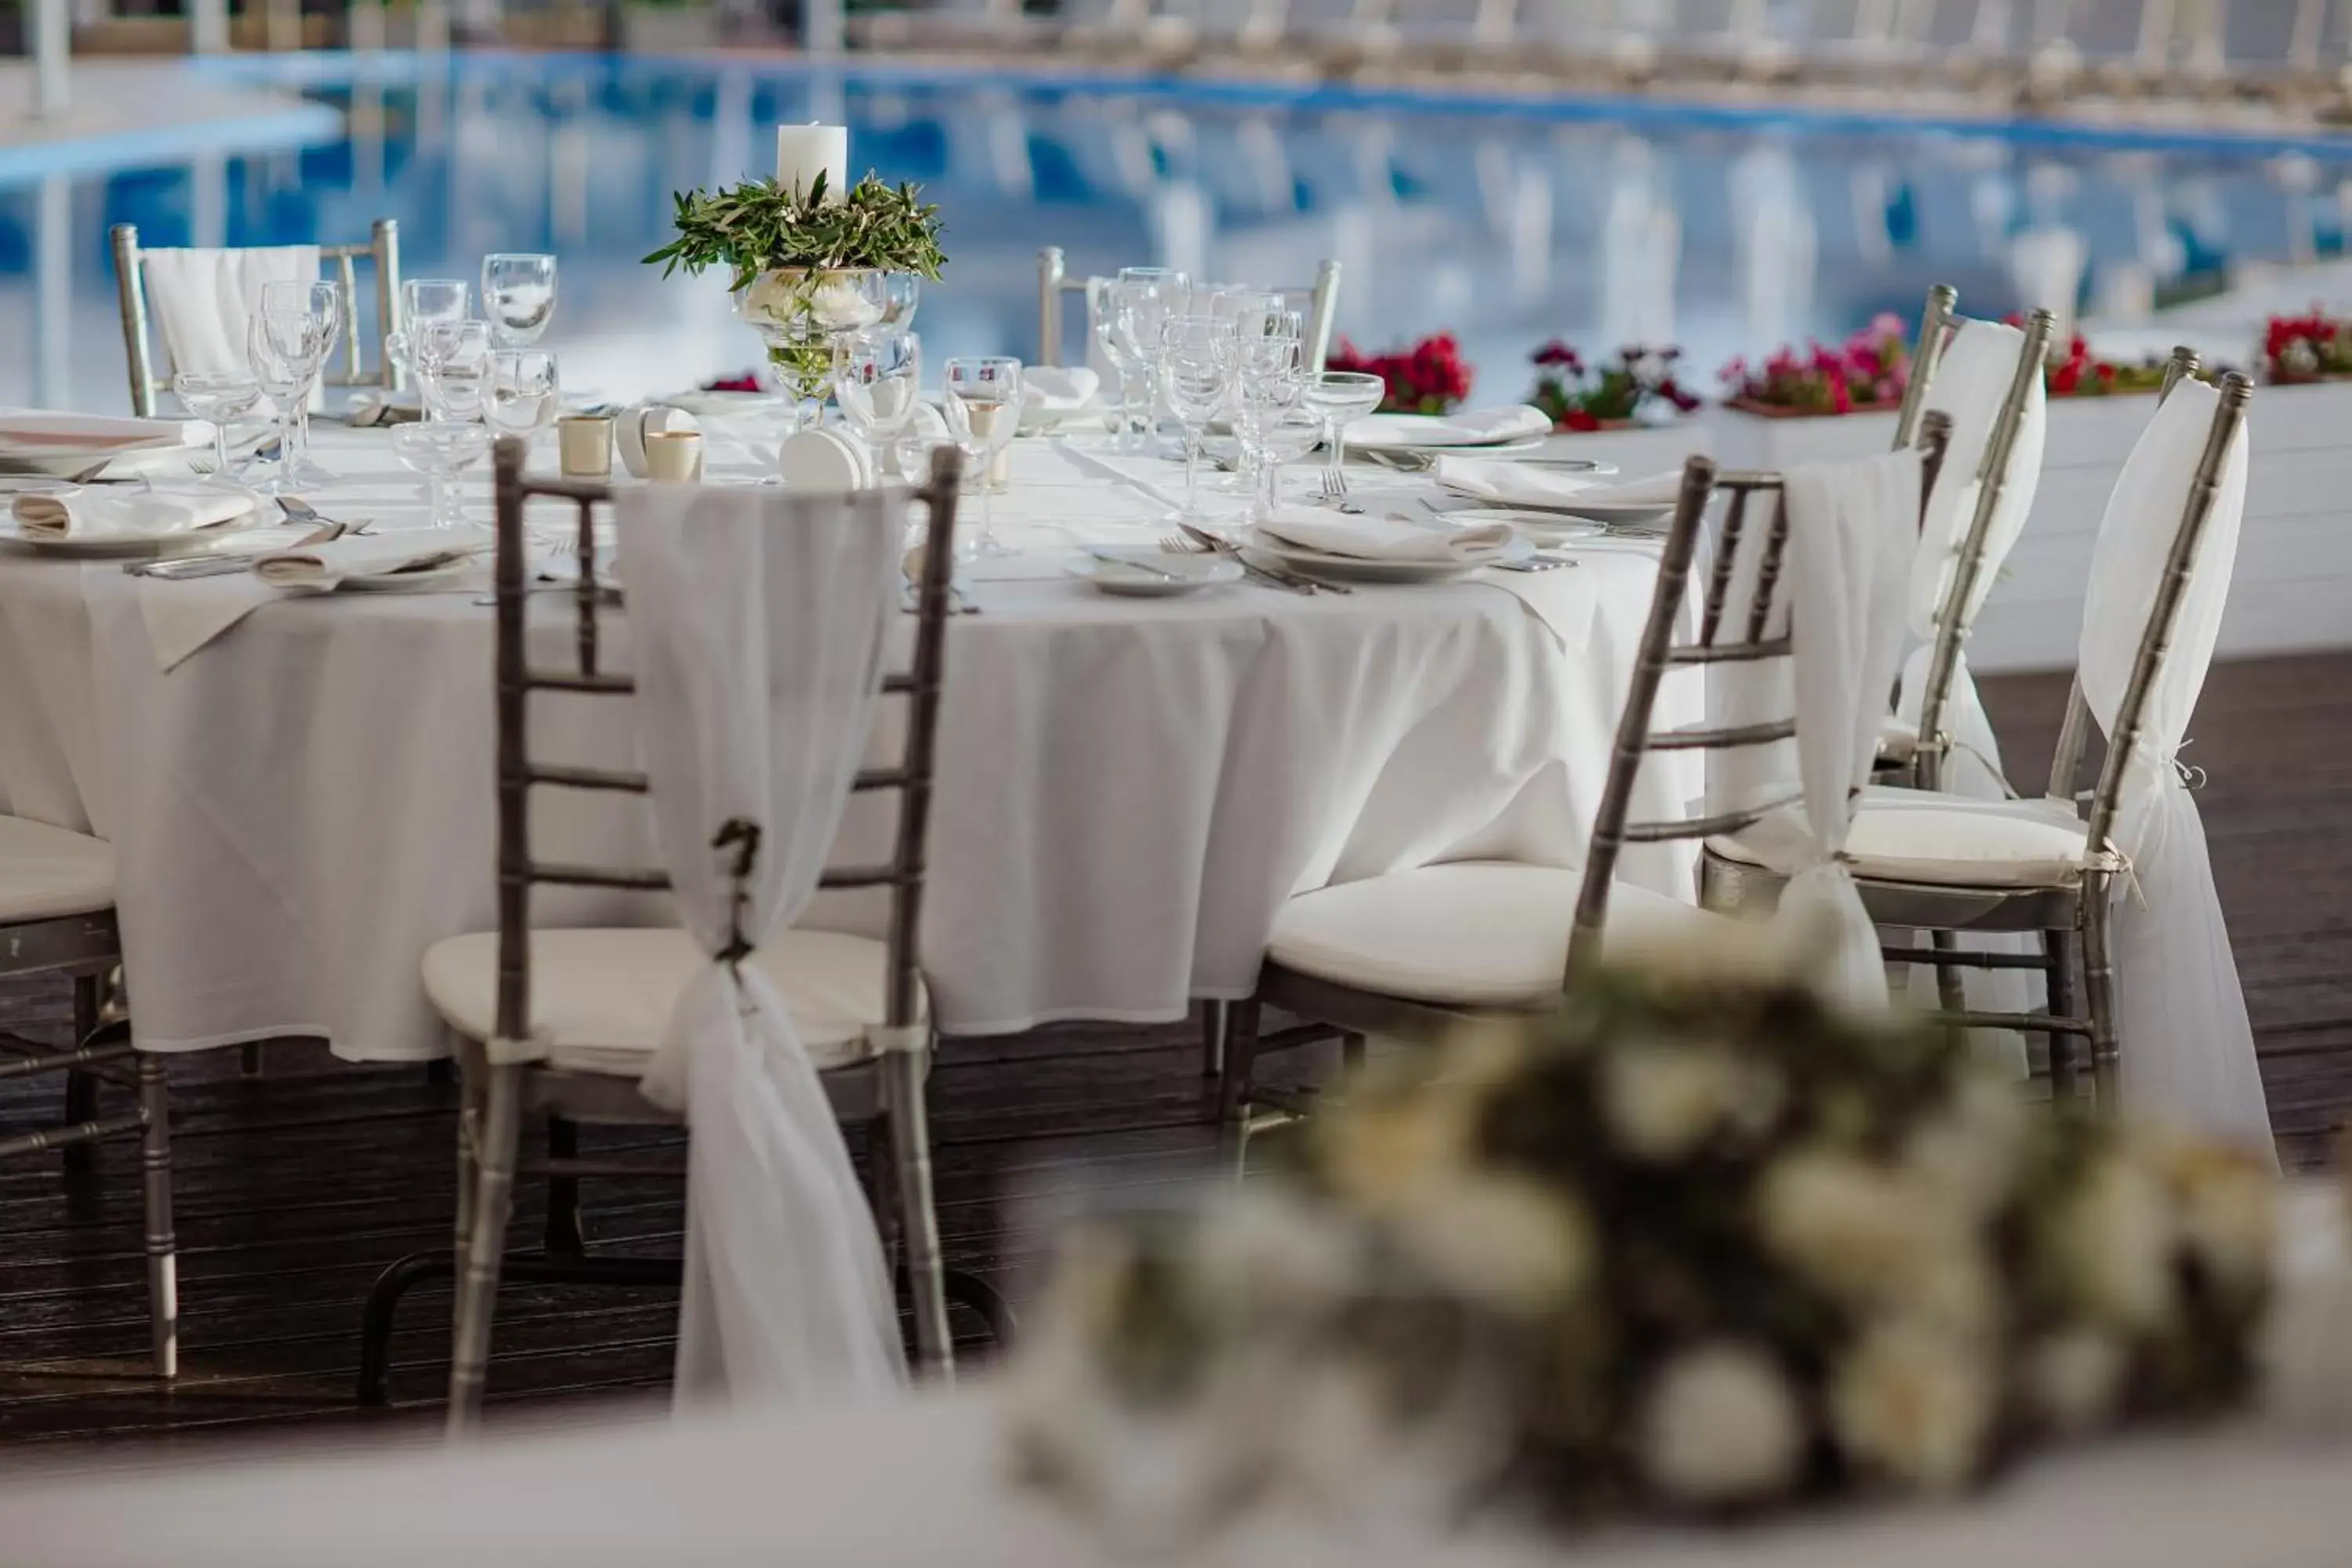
[(182, 113)]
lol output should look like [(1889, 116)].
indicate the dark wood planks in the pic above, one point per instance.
[(295, 1190)]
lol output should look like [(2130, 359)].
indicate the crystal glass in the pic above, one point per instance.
[(424, 301), (1270, 386), (807, 319), (1230, 302), (453, 362), (307, 320), (1283, 435), (277, 355), (879, 387), (1143, 298), (1341, 395), (983, 408), (218, 397), (523, 394), (441, 452), (1196, 378), (902, 293), (518, 296)]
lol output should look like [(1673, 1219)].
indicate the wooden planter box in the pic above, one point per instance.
[(667, 29)]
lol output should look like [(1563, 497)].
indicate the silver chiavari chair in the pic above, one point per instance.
[(1317, 304), (2038, 870), (508, 983), (57, 917), (1413, 955), (382, 250)]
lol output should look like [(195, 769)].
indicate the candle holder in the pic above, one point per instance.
[(806, 317)]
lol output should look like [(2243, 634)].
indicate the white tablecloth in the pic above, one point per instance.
[(1128, 790)]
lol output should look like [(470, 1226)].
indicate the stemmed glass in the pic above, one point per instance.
[(1196, 376), (1269, 388), (983, 408), (1342, 396), (217, 396), (423, 301), (518, 296), (522, 392), (441, 452), (902, 292), (879, 387), (453, 361), (1143, 298), (303, 321)]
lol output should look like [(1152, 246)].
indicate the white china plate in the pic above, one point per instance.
[(1543, 527), (1356, 569), (1613, 514), (1143, 573), (1478, 448), (406, 581), (142, 547), (725, 403)]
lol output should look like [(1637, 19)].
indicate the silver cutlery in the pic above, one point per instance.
[(1134, 565), (1195, 540), (180, 568), (1536, 563), (1335, 493)]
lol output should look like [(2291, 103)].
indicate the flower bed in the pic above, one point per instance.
[(1866, 374), (1608, 395), (2299, 349), (1427, 378)]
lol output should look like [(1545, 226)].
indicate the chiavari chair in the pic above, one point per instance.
[(382, 249), (600, 998), (57, 917), (1948, 865), (1415, 955), (1319, 302)]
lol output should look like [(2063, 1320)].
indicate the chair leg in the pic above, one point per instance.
[(909, 1122), (251, 1062), (567, 1230), (1213, 1039), (81, 1087), (1351, 1054), (2099, 993), (477, 1287), (1234, 1089), (155, 1190), (2063, 1005)]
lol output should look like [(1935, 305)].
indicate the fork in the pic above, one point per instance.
[(1335, 493), (1191, 541)]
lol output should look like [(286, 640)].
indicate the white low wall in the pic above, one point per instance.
[(2292, 589)]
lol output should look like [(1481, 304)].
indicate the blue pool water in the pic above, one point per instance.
[(1725, 230)]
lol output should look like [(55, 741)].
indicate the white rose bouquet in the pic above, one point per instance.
[(1701, 1246)]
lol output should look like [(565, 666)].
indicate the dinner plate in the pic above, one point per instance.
[(1358, 569), (1502, 449), (143, 547), (447, 576), (1543, 527), (1140, 573), (1437, 432), (711, 403)]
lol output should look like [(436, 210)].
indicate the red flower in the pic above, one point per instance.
[(1579, 419), (745, 382)]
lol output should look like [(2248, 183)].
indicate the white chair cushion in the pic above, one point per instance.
[(1897, 739), (604, 996), (1947, 840), (47, 873), (1473, 933)]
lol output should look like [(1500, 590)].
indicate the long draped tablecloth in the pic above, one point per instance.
[(1128, 790)]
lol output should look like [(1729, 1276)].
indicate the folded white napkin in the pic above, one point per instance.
[(1465, 428), (1394, 537), (1508, 483), (1058, 389), (25, 431), (825, 460), (324, 565), (157, 512), (202, 299)]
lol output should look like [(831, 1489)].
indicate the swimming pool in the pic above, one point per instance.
[(1726, 230)]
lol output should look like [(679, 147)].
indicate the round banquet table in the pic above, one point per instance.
[(298, 787)]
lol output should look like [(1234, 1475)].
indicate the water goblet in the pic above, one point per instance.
[(424, 301), (518, 296), (441, 452), (879, 387), (1143, 298), (523, 395), (1196, 377), (983, 409), (217, 398), (281, 375), (1341, 395), (308, 318), (453, 361)]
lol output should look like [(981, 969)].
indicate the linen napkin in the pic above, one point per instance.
[(159, 511), (26, 432), (1467, 427), (1393, 537), (1507, 483), (322, 566), (1058, 389), (202, 299)]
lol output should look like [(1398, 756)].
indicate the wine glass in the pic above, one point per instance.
[(423, 301), (308, 317), (1341, 395), (518, 296), (879, 385), (1142, 300), (523, 395), (1196, 377), (453, 361), (217, 396), (983, 408), (281, 376), (1268, 389), (441, 452), (902, 293)]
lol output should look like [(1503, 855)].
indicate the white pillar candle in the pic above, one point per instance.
[(805, 152)]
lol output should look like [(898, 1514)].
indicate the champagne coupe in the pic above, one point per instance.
[(1196, 377), (1341, 395), (218, 398), (441, 452), (518, 296), (983, 408), (305, 321), (523, 394)]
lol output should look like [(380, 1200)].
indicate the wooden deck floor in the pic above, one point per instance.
[(296, 1190)]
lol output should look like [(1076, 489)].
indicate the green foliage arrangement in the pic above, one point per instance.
[(763, 227)]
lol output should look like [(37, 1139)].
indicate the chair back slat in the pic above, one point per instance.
[(1765, 621), (1318, 303), (382, 247), (909, 775)]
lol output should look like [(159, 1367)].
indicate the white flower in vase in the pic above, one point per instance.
[(1720, 1426), (2225, 1201), (1915, 1405), (1508, 1242), (1969, 1152), (1663, 1101), (2111, 1246), (2073, 1378), (828, 302)]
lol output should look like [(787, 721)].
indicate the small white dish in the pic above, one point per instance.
[(1143, 573), (1544, 527), (826, 460), (426, 581), (1357, 569), (117, 547), (722, 403)]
